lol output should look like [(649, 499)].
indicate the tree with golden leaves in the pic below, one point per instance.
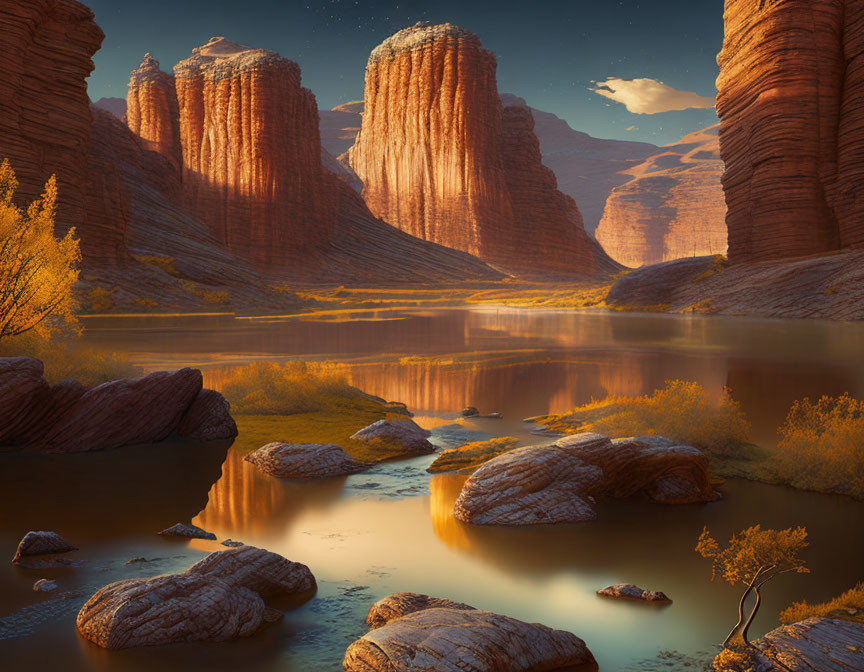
[(37, 269), (752, 558)]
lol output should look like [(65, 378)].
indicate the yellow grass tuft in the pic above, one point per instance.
[(683, 411), (472, 455), (849, 606)]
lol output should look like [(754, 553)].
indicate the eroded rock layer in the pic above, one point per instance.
[(45, 120), (789, 101), (673, 207), (441, 159)]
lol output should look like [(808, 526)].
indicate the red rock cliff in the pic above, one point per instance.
[(45, 119), (152, 112), (440, 159), (251, 153), (673, 207), (792, 126)]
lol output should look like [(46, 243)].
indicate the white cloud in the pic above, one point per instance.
[(632, 128), (648, 96)]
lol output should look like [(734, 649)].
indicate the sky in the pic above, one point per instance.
[(613, 68)]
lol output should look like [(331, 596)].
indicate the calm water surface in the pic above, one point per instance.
[(392, 529)]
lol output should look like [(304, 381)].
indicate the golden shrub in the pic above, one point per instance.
[(269, 388), (37, 270), (682, 410), (847, 606), (822, 446)]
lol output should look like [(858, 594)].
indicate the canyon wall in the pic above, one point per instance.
[(792, 126), (251, 153), (440, 158), (152, 111), (45, 119), (672, 207)]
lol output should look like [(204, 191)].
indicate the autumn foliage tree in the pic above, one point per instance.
[(37, 269), (752, 558)]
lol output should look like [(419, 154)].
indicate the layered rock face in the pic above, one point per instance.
[(251, 153), (45, 120), (441, 159), (791, 127), (673, 206), (152, 111)]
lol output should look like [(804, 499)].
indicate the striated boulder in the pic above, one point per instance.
[(67, 418), (652, 467), (436, 639), (208, 418), (441, 159), (185, 531), (673, 206), (398, 605), (814, 645), (791, 127), (218, 599), (152, 111), (406, 434), (627, 591), (535, 485), (45, 120), (125, 412), (304, 461), (541, 485), (41, 543)]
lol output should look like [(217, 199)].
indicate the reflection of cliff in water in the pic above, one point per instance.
[(158, 485), (247, 502), (550, 383)]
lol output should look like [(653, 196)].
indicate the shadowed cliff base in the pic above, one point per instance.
[(827, 287)]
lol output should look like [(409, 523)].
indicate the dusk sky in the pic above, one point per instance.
[(550, 52)]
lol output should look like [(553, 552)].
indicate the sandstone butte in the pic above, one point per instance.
[(442, 159), (673, 207), (251, 153), (45, 119), (792, 126)]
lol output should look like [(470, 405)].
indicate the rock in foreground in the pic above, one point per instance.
[(304, 461), (814, 645), (540, 485), (627, 591), (406, 435), (217, 599), (465, 640)]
